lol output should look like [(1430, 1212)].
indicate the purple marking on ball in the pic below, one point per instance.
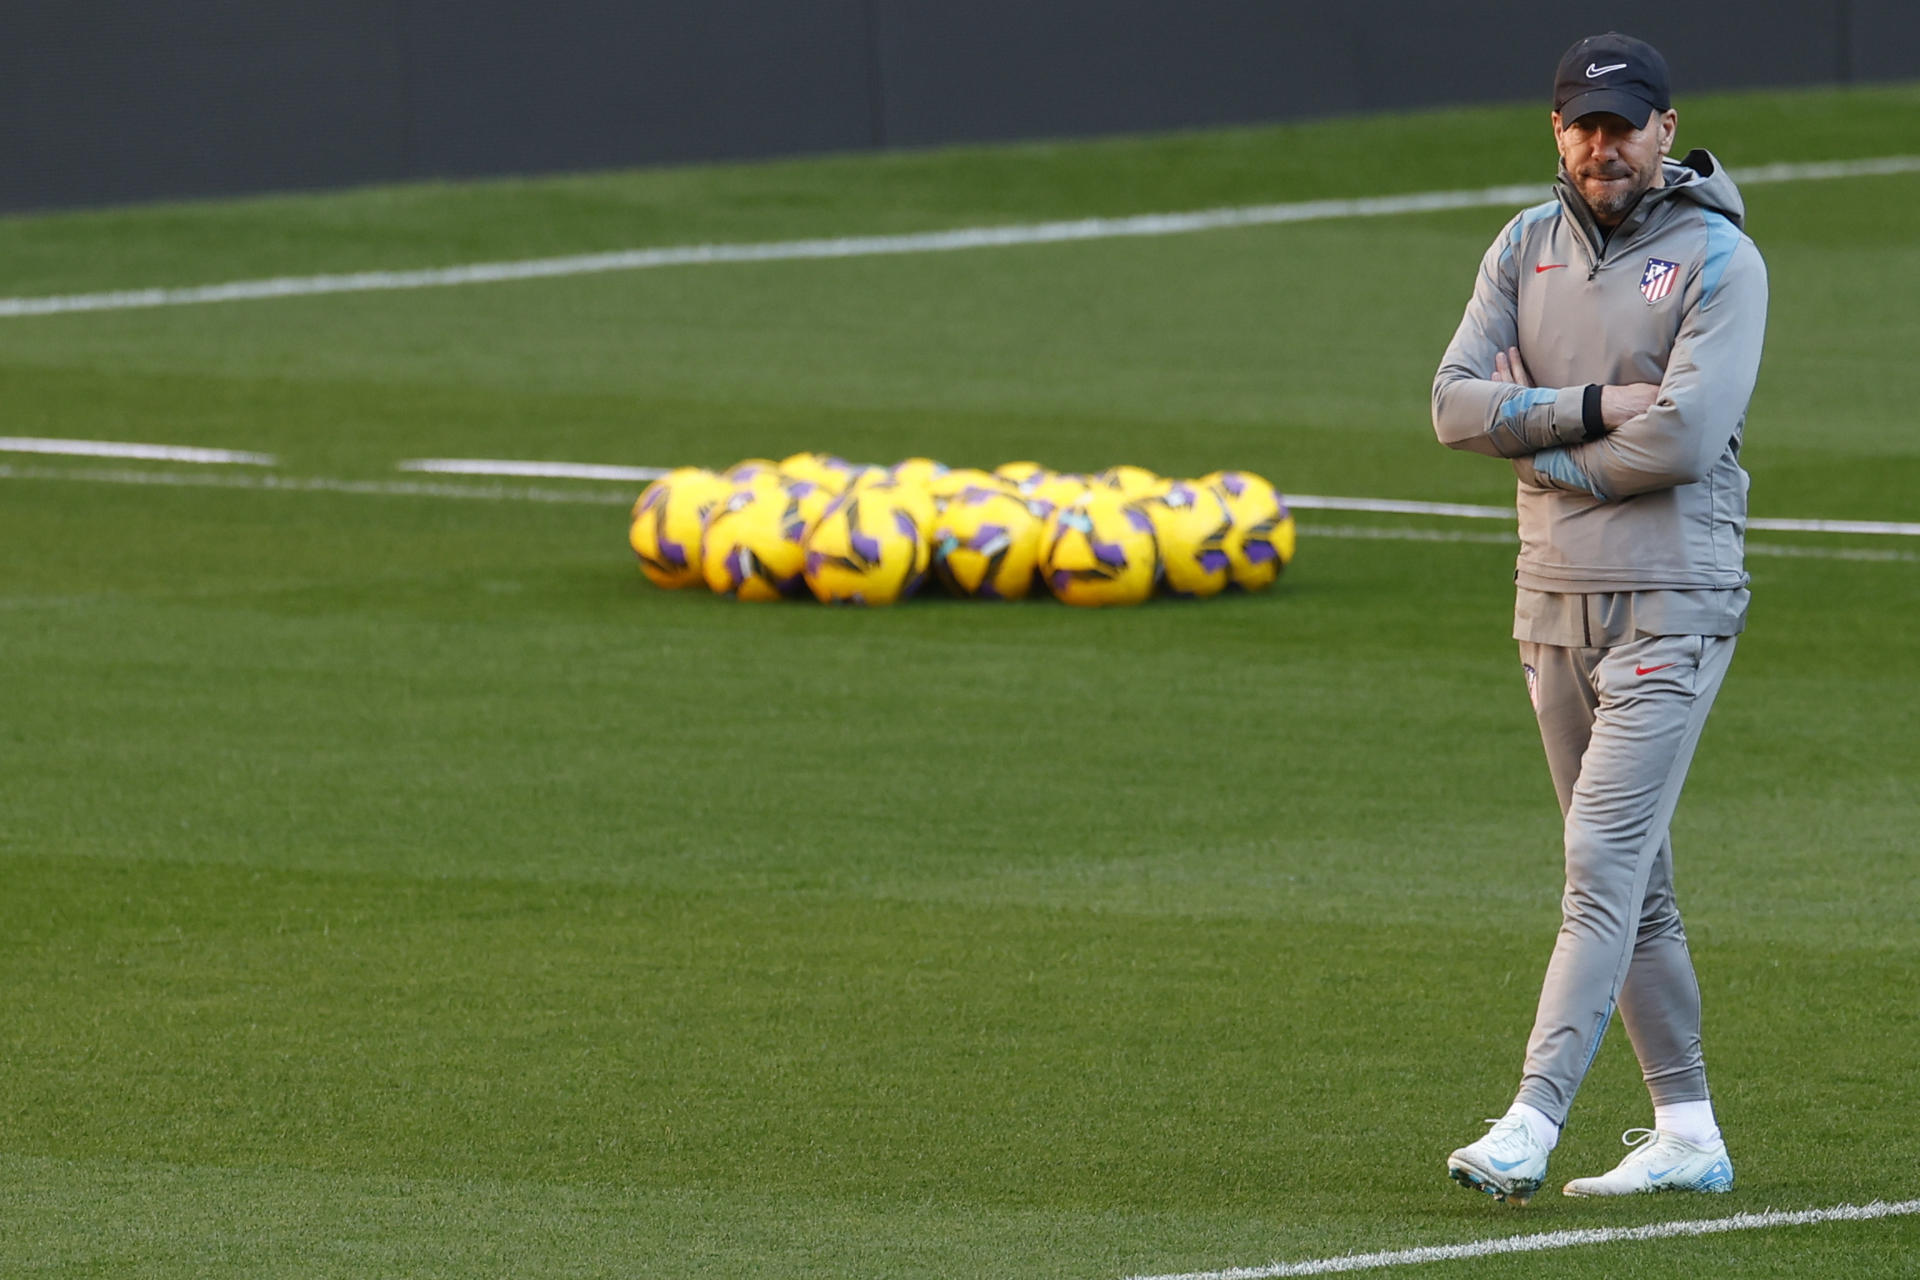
[(1261, 552), (739, 564), (904, 521), (816, 561), (1233, 482), (1108, 553), (864, 548), (1139, 519), (672, 552), (1213, 561), (989, 538)]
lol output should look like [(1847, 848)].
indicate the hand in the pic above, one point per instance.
[(1618, 404), (1508, 367)]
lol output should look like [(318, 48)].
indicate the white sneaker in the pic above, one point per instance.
[(1661, 1162), (1508, 1164)]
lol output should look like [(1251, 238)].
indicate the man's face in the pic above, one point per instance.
[(1613, 160)]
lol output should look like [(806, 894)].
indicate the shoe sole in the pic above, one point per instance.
[(1517, 1192), (1568, 1190)]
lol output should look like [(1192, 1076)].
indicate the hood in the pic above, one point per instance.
[(1698, 177)]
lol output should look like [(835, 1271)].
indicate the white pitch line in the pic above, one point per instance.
[(602, 471), (1895, 528), (1300, 501), (119, 449), (1789, 550), (625, 497), (509, 467), (1031, 233), (325, 484), (1390, 534), (1775, 524), (1396, 506), (1556, 1240)]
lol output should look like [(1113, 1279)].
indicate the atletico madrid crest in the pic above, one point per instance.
[(1657, 281)]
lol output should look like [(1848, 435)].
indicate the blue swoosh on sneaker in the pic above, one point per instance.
[(1655, 1177), (1506, 1166)]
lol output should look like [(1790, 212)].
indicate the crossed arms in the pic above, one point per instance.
[(1618, 406), (1647, 437)]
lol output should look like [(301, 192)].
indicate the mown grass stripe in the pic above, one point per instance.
[(1017, 234)]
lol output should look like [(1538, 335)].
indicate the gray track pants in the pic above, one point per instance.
[(1620, 725)]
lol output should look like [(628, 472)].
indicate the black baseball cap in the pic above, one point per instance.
[(1612, 73)]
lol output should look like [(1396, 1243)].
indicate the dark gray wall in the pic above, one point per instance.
[(119, 100)]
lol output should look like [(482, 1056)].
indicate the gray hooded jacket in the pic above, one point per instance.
[(1676, 296)]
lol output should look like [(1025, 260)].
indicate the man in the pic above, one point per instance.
[(1636, 303)]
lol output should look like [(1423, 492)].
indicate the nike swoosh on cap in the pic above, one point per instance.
[(1593, 71)]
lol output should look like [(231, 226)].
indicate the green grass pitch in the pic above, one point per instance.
[(400, 886)]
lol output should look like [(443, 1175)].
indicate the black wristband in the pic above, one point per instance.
[(1590, 412)]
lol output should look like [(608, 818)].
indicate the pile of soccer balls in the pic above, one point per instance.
[(852, 534)]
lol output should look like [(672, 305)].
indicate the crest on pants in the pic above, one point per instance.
[(1656, 282)]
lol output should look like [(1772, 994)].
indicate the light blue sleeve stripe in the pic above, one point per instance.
[(1511, 247), (1722, 239), (1558, 466), (1535, 213), (1527, 401), (1527, 218)]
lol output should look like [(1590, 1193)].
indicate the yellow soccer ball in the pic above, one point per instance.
[(915, 471), (751, 547), (1192, 524), (914, 497), (948, 485), (1099, 550), (750, 469), (1261, 544), (811, 498), (859, 475), (1022, 474), (1058, 489), (822, 469), (664, 531), (869, 548), (986, 544), (1130, 482)]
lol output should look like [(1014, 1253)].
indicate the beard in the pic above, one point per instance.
[(1612, 190)]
